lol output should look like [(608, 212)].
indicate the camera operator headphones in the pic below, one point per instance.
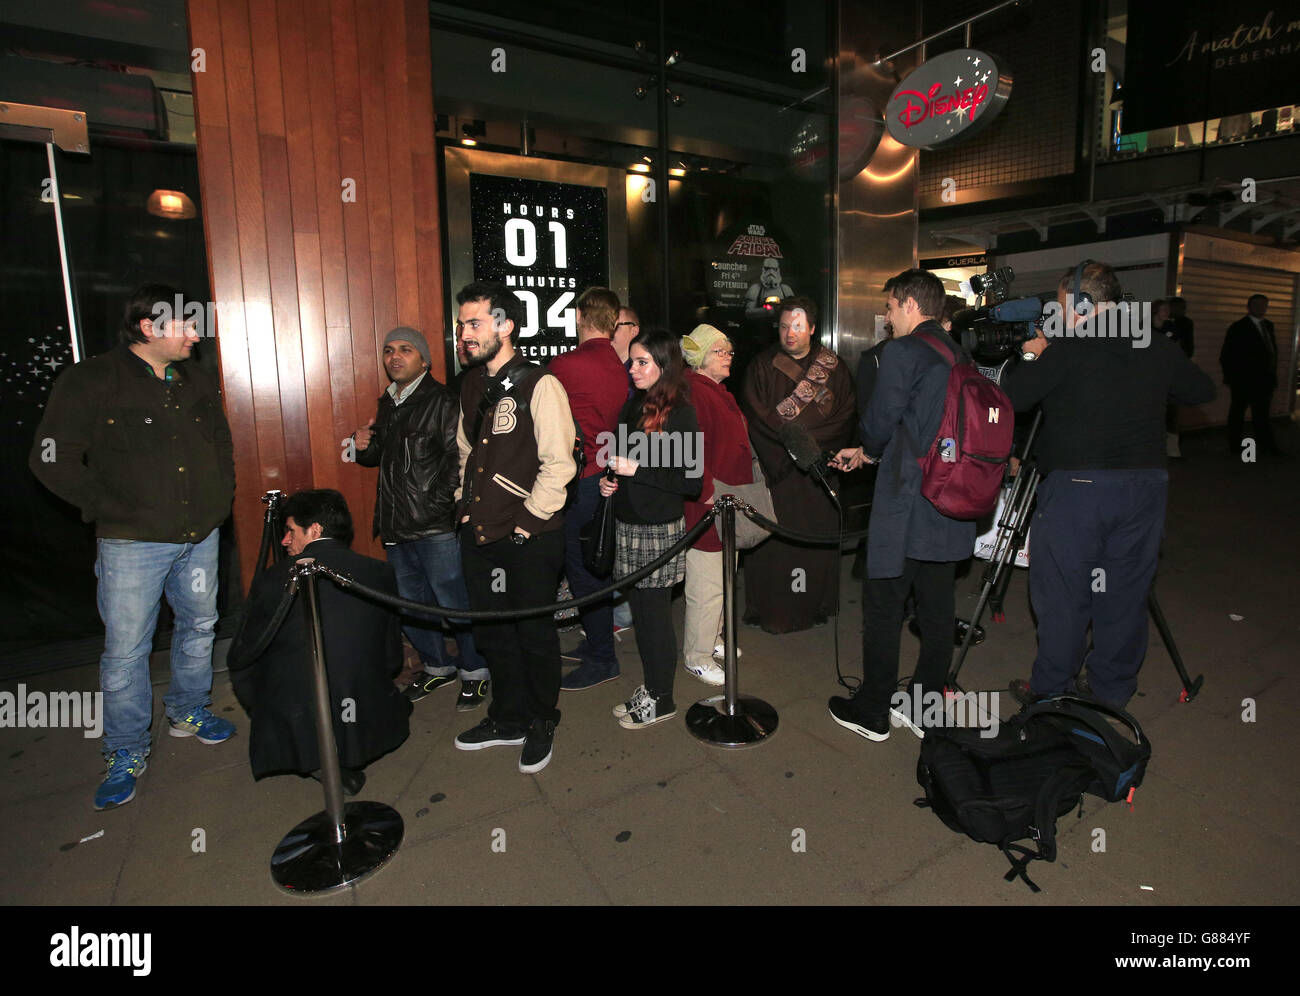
[(1083, 302)]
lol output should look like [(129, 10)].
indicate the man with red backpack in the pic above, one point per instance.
[(911, 544)]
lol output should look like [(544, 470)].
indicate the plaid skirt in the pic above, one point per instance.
[(637, 545)]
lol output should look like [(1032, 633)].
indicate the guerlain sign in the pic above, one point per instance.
[(948, 98)]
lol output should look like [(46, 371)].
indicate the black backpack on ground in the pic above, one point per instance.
[(1013, 786)]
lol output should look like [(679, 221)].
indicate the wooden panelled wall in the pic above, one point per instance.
[(295, 99)]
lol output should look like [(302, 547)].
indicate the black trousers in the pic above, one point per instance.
[(882, 624), (523, 654), (655, 639), (1258, 402)]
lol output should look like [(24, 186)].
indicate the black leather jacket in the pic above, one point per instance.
[(414, 446)]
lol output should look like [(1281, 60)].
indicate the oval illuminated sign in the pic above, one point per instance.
[(947, 99)]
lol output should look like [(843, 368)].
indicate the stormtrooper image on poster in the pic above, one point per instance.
[(768, 289), (750, 272)]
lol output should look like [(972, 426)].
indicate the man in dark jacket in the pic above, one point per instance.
[(910, 544), (1100, 509), (136, 438), (363, 652), (1249, 362), (412, 440)]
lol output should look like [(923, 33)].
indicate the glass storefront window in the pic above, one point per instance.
[(726, 172), (1116, 143)]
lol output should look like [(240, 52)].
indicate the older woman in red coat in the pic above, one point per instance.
[(726, 458)]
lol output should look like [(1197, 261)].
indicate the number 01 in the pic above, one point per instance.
[(521, 243)]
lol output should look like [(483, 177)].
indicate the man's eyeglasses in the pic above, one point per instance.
[(722, 352), (619, 325)]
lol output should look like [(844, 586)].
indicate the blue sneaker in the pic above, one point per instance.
[(200, 723), (589, 674), (118, 786)]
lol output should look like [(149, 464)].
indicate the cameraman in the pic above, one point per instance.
[(1101, 504)]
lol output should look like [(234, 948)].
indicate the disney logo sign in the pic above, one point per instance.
[(947, 99)]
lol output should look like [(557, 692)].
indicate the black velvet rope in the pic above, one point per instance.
[(795, 537), (415, 608), (345, 580)]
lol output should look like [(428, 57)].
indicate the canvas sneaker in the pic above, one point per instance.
[(537, 747), (489, 733), (204, 726), (638, 696), (118, 786), (648, 712)]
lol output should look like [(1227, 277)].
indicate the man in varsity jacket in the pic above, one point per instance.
[(516, 458)]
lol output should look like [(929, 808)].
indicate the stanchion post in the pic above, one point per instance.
[(347, 841), (330, 775), (730, 719), (728, 516)]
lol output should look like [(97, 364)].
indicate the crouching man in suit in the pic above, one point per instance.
[(363, 653)]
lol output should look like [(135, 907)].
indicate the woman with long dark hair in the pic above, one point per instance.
[(659, 470)]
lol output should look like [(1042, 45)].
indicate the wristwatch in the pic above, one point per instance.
[(518, 539)]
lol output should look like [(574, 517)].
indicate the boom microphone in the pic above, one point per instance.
[(805, 453)]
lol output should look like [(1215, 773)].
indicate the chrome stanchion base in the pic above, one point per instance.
[(753, 722), (307, 859)]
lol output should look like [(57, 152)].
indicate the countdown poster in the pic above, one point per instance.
[(546, 241)]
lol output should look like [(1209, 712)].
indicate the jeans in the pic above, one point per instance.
[(598, 617), (882, 624), (428, 570), (133, 577), (622, 611), (524, 653), (1096, 542)]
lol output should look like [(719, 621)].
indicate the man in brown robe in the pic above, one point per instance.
[(791, 587)]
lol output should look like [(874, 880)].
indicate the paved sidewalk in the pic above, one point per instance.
[(653, 816)]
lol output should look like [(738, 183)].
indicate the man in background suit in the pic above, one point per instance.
[(363, 652), (1249, 362)]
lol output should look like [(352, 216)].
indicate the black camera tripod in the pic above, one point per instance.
[(1013, 529)]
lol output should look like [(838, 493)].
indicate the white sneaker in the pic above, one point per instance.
[(638, 697), (900, 718), (720, 653), (646, 713), (709, 673)]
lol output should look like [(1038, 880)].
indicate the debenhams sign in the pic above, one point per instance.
[(947, 99)]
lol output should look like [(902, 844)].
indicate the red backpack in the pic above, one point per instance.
[(962, 471)]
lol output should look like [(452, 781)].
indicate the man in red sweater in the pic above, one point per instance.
[(596, 382)]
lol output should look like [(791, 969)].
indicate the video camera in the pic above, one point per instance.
[(994, 333)]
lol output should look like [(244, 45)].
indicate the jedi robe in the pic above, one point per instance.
[(791, 587)]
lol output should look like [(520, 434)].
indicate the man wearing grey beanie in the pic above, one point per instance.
[(412, 440)]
